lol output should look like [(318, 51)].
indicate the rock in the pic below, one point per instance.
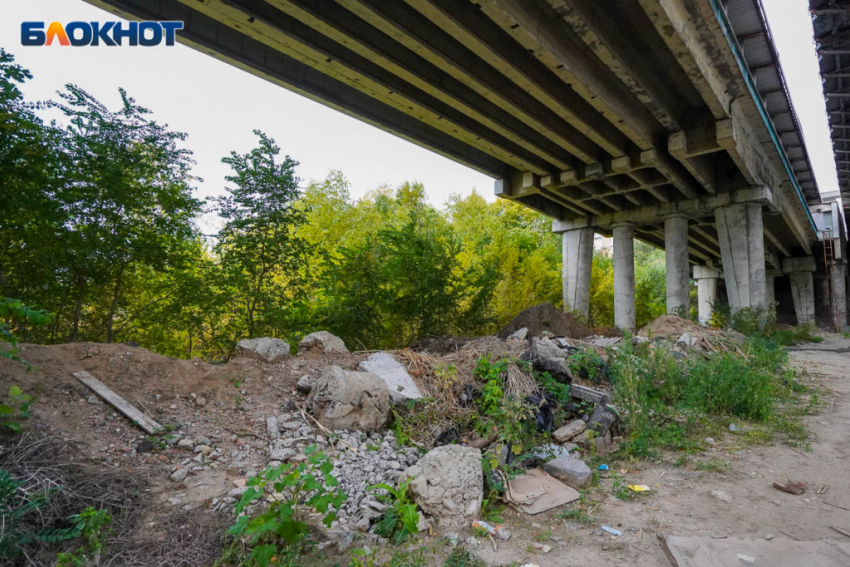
[(272, 428), (350, 400), (722, 495), (186, 444), (687, 340), (205, 449), (305, 384), (602, 419), (180, 474), (569, 431), (93, 400), (548, 452), (324, 341), (200, 401), (144, 447), (557, 367), (569, 470), (265, 349), (547, 347), (519, 335), (448, 483), (281, 454), (570, 447), (401, 386)]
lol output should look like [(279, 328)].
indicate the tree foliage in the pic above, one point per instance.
[(98, 227)]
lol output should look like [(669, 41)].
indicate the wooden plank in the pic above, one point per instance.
[(119, 403)]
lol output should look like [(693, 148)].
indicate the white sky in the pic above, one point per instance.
[(219, 106)]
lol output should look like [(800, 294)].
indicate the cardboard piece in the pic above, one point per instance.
[(536, 492)]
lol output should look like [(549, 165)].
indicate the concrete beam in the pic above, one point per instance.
[(299, 41), (231, 46), (702, 206), (580, 71)]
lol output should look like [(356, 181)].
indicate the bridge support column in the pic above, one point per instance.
[(800, 272), (741, 233), (624, 276), (676, 250), (839, 296), (770, 285), (706, 278), (576, 267)]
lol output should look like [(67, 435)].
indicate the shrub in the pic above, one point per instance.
[(15, 409), (309, 483), (400, 520)]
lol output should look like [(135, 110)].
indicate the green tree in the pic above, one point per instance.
[(261, 254)]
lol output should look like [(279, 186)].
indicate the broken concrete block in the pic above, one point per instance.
[(569, 431), (570, 470), (401, 386)]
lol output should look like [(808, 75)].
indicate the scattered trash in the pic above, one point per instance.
[(791, 487), (543, 547), (733, 427), (823, 489), (611, 530), (603, 467), (544, 409), (530, 565), (746, 559), (500, 532), (536, 491), (639, 488)]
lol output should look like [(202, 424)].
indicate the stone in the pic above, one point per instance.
[(305, 384), (265, 349), (205, 449), (281, 454), (180, 474), (519, 335), (186, 444), (401, 386), (200, 401), (569, 470), (357, 401), (570, 430), (556, 366), (272, 428), (547, 347), (448, 483), (324, 341), (722, 495)]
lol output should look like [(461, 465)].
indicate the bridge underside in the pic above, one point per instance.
[(598, 114)]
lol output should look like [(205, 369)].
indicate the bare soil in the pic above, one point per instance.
[(546, 317), (682, 501), (239, 395)]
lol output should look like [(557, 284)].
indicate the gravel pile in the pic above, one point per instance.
[(360, 460)]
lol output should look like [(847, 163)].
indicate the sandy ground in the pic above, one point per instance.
[(682, 502)]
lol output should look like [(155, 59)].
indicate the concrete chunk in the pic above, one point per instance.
[(401, 386), (569, 431), (569, 470)]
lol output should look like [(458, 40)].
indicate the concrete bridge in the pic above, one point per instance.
[(662, 120)]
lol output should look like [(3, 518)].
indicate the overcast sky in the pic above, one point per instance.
[(219, 106)]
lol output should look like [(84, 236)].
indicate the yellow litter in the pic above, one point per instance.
[(639, 488)]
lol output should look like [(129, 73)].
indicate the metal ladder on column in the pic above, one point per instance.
[(828, 261)]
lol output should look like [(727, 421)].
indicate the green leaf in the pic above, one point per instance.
[(331, 480), (409, 517), (15, 391), (262, 554)]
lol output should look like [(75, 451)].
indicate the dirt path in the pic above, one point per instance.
[(683, 503)]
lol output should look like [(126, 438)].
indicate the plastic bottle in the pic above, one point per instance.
[(500, 532)]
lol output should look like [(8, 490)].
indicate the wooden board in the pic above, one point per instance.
[(119, 403)]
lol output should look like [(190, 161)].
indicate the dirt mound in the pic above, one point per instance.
[(671, 327), (546, 317), (606, 331)]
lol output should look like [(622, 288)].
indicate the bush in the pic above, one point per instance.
[(746, 387), (306, 484), (400, 520)]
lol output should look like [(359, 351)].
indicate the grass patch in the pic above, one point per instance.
[(673, 403), (577, 516)]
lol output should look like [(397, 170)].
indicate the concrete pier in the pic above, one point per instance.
[(706, 278), (624, 276), (770, 285), (800, 272), (577, 265), (676, 247), (839, 296), (740, 231)]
